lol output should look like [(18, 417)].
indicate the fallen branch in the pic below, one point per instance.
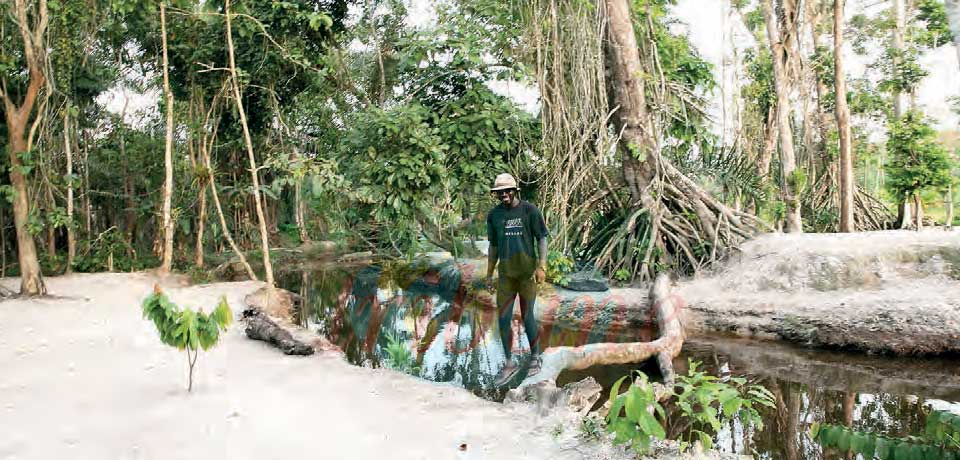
[(261, 327), (667, 307)]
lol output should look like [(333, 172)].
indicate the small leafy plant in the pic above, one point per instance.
[(186, 329), (399, 357), (591, 428), (699, 403), (632, 417), (621, 275), (558, 267), (707, 401)]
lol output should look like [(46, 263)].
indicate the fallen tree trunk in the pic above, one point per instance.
[(261, 327), (667, 307)]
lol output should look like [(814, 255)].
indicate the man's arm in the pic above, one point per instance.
[(491, 261), (492, 254), (542, 252)]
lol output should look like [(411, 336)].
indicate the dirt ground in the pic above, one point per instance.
[(889, 292), (85, 377)]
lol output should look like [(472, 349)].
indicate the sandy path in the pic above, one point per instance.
[(85, 377)]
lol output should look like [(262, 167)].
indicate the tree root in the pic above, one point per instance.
[(683, 228), (869, 213), (667, 307)]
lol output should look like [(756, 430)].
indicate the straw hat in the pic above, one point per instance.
[(504, 182)]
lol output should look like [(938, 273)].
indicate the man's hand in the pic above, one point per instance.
[(540, 275), (489, 280)]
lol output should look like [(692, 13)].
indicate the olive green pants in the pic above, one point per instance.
[(509, 289)]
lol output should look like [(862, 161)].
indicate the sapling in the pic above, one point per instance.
[(186, 329)]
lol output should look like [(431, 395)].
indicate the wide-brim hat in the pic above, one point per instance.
[(504, 181)]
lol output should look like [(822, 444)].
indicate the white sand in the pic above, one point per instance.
[(85, 377)]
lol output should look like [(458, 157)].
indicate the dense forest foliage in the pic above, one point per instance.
[(277, 123)]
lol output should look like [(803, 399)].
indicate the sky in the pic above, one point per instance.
[(704, 22)]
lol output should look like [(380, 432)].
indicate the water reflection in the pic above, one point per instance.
[(450, 332)]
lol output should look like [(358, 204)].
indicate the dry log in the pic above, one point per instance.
[(259, 326), (667, 307)]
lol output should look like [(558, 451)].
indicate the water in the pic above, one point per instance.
[(421, 319)]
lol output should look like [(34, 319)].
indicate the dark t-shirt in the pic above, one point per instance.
[(515, 231)]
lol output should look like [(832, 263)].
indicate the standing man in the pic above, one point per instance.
[(518, 243)]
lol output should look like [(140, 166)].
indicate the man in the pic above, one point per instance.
[(518, 243)]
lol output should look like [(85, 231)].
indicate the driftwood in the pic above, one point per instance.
[(667, 307), (261, 327)]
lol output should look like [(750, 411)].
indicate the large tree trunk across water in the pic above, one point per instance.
[(668, 308)]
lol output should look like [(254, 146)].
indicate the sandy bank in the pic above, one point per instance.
[(892, 291), (84, 377)]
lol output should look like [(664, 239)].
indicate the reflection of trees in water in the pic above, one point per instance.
[(787, 431), (454, 334)]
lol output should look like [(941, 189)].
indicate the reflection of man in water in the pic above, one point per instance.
[(518, 242)]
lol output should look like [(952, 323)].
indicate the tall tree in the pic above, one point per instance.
[(899, 47), (67, 151), (19, 102), (659, 193), (788, 163), (843, 123), (254, 171), (167, 262)]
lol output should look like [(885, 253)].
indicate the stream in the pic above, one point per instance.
[(419, 320)]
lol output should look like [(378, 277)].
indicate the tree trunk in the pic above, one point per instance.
[(299, 214), (638, 146), (667, 307), (904, 215), (254, 172), (918, 210), (88, 214), (17, 117), (899, 45), (814, 12), (201, 222), (167, 261), (71, 238), (769, 142), (658, 191), (788, 162), (223, 220), (31, 280), (898, 104), (51, 230), (843, 124), (948, 202)]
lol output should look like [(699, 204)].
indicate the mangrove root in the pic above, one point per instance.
[(667, 307), (261, 327)]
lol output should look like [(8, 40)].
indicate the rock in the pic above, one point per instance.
[(276, 302), (587, 280), (578, 397), (356, 256)]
